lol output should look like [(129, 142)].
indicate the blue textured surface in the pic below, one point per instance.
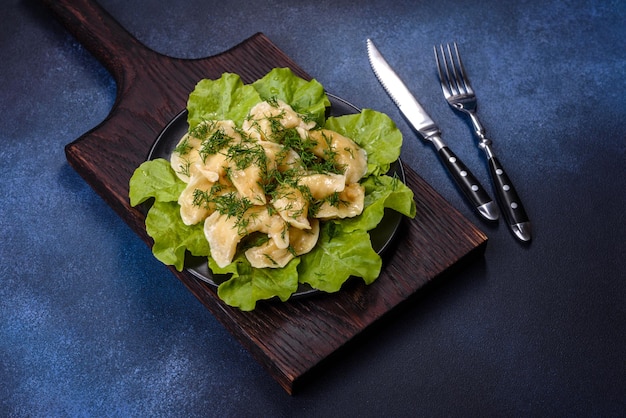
[(92, 324)]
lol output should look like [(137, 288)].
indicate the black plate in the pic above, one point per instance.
[(381, 236)]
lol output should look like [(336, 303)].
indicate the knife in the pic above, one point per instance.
[(428, 130)]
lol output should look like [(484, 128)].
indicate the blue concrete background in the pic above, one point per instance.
[(92, 325)]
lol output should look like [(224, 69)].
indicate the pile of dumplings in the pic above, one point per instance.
[(267, 185)]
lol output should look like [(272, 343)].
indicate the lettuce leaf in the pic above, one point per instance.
[(249, 285), (305, 97), (338, 255), (375, 132), (155, 179), (381, 192), (224, 98), (172, 238), (344, 248)]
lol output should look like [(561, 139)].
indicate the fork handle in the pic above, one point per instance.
[(468, 183), (510, 203)]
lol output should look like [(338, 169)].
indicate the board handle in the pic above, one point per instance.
[(100, 33)]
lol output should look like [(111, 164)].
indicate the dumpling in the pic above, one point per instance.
[(214, 166), (349, 203), (185, 155), (292, 206), (247, 163), (221, 233), (263, 119), (347, 154), (200, 148), (197, 200), (279, 157), (269, 255), (302, 241), (248, 183), (224, 232), (190, 212), (323, 185)]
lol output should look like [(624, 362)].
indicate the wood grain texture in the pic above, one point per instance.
[(288, 339)]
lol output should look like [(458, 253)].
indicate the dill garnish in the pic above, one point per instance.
[(334, 200), (305, 149), (184, 147), (273, 101), (214, 142), (185, 168), (201, 198), (231, 204), (245, 155)]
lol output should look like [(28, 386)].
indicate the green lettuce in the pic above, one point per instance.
[(375, 132), (248, 285), (339, 255), (172, 238), (305, 97), (224, 98), (344, 248), (381, 192), (155, 179)]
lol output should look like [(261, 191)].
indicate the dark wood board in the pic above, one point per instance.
[(288, 339)]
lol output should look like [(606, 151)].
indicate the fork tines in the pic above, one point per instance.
[(452, 74)]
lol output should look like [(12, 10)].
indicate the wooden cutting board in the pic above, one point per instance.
[(288, 339)]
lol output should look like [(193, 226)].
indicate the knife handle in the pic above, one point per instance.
[(510, 203), (469, 184)]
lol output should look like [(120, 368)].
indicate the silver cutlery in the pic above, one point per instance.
[(428, 130), (461, 97)]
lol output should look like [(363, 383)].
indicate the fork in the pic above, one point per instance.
[(461, 97)]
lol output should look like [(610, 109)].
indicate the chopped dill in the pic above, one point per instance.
[(271, 260), (307, 117), (314, 207), (273, 101), (292, 250), (246, 155), (332, 230), (201, 198), (185, 168), (214, 143), (203, 129), (184, 147), (334, 200), (231, 204)]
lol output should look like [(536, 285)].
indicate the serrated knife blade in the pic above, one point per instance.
[(423, 124)]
